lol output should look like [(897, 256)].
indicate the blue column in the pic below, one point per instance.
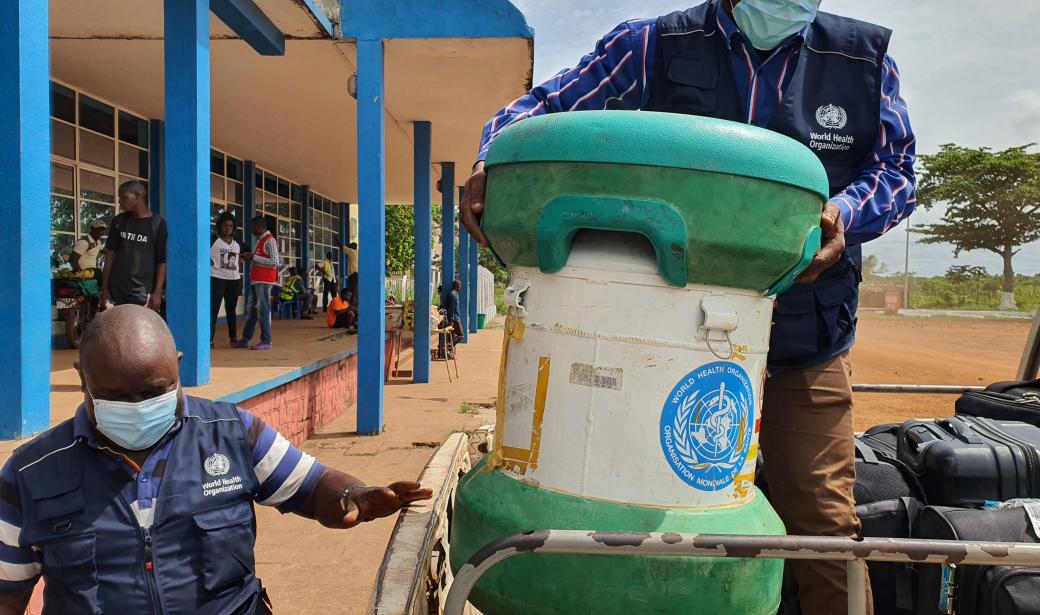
[(305, 224), (25, 150), (371, 139), (423, 174), (186, 61), (157, 166), (447, 186), (248, 211), (474, 270), (463, 275)]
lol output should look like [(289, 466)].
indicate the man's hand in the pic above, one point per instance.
[(472, 205), (104, 300), (833, 245), (155, 301), (368, 503), (246, 256)]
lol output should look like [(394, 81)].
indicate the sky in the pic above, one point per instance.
[(970, 74)]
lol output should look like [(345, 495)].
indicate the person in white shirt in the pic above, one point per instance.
[(225, 277), (87, 248)]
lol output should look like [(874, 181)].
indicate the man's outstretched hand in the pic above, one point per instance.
[(832, 248), (472, 206), (368, 503)]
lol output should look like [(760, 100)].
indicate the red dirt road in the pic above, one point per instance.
[(901, 350)]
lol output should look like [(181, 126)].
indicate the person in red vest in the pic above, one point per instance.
[(263, 276)]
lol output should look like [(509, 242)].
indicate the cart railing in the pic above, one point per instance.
[(920, 389), (855, 552)]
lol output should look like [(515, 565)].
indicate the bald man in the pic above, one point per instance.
[(143, 502)]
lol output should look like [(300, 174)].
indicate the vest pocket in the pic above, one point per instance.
[(794, 335), (227, 539), (693, 84), (70, 567)]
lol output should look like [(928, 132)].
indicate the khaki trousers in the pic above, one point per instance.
[(809, 452)]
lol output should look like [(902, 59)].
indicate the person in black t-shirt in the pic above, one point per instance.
[(135, 253)]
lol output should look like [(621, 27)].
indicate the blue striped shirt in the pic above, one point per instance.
[(286, 477), (617, 74)]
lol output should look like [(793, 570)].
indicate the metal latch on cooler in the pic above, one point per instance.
[(719, 317), (514, 296)]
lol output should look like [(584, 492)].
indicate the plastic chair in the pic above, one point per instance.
[(290, 309)]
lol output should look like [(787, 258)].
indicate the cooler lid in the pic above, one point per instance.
[(663, 140)]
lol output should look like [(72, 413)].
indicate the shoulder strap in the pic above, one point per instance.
[(867, 453)]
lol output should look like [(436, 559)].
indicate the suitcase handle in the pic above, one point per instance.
[(960, 429)]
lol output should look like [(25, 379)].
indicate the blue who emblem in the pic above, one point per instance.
[(707, 424)]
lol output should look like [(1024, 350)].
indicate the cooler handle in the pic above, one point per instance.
[(813, 241), (659, 222)]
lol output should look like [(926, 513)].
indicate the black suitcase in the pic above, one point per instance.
[(893, 585), (966, 461), (981, 590), (1008, 401)]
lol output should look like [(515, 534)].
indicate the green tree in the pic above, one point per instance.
[(400, 236), (993, 200), (873, 267)]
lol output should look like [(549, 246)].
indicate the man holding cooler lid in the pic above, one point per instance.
[(828, 82)]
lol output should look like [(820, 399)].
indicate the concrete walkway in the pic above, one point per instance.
[(310, 570)]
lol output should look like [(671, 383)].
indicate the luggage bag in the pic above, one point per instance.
[(979, 590), (967, 461), (1008, 401)]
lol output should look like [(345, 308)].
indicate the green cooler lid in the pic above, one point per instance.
[(661, 140)]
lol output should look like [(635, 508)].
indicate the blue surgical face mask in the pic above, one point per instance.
[(767, 23), (137, 425)]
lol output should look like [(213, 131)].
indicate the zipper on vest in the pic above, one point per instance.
[(149, 567)]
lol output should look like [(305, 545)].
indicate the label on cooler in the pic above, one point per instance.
[(707, 425), (597, 377)]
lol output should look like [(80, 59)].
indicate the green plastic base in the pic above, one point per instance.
[(490, 505)]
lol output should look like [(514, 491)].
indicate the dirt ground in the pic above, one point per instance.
[(901, 350)]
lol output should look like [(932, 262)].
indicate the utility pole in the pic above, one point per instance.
[(906, 270)]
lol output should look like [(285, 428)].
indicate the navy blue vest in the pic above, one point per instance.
[(96, 556), (832, 105)]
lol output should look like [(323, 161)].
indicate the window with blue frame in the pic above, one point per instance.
[(95, 146), (226, 186), (323, 236), (279, 201)]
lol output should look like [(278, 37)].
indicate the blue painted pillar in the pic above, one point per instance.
[(186, 61), (157, 167), (371, 139), (474, 275), (25, 150), (305, 224), (463, 275), (423, 173), (248, 211), (447, 186)]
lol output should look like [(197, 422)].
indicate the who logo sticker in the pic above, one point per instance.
[(707, 425)]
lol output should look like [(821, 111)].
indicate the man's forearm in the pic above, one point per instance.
[(160, 279), (110, 257), (324, 503)]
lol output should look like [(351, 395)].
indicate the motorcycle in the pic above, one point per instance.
[(78, 302)]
